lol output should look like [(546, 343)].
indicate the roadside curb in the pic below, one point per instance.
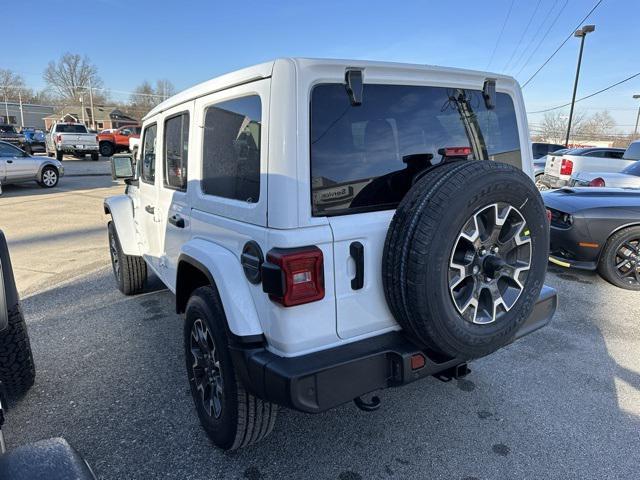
[(86, 175)]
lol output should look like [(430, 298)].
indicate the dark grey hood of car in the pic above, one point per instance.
[(570, 200)]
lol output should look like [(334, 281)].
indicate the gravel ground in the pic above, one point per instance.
[(561, 403)]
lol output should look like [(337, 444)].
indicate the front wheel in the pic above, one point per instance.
[(49, 178), (130, 270), (232, 417), (620, 259), (17, 370)]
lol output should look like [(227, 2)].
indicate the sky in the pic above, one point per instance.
[(188, 42)]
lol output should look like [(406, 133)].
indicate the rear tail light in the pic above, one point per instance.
[(549, 215), (294, 276), (566, 167), (597, 182), (58, 138)]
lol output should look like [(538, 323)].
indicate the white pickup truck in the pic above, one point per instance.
[(71, 138)]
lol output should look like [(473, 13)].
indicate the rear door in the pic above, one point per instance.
[(365, 158), (172, 208)]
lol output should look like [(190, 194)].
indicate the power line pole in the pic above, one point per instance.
[(635, 130), (21, 111), (582, 33), (93, 117), (6, 108)]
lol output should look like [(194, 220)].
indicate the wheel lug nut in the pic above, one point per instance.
[(495, 249), (483, 252)]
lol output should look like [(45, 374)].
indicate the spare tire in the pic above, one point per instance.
[(465, 257)]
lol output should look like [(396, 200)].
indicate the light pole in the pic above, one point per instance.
[(582, 33), (635, 130)]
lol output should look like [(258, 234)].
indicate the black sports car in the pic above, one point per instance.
[(597, 228)]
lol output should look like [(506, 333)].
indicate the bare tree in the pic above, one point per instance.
[(145, 97), (71, 76), (165, 89), (598, 125), (554, 126), (12, 86)]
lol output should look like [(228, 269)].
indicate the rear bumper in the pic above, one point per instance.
[(565, 249), (74, 149), (319, 381), (552, 181)]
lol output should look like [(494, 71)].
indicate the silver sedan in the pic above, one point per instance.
[(17, 166), (629, 177)]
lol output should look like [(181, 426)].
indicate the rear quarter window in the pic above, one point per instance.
[(364, 158), (633, 151)]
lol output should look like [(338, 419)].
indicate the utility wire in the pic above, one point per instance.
[(535, 35), (562, 44), (526, 29), (504, 24), (589, 96), (535, 50)]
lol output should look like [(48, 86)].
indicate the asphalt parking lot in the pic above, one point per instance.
[(561, 403)]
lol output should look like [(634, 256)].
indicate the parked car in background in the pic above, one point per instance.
[(560, 167), (8, 133), (541, 149), (118, 140), (134, 146), (17, 166), (597, 229), (628, 178), (73, 138), (34, 140), (538, 167)]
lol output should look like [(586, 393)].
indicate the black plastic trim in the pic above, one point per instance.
[(322, 380)]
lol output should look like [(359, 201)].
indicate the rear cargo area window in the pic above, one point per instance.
[(366, 157), (231, 149)]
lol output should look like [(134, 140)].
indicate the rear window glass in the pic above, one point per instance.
[(633, 169), (71, 129), (633, 152), (365, 157)]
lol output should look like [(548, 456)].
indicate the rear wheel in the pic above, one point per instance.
[(620, 259), (465, 257), (130, 270), (231, 416), (106, 149)]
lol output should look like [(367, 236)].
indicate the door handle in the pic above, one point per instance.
[(356, 250), (176, 220), (9, 161), (150, 209)]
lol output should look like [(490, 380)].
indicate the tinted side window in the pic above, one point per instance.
[(9, 150), (633, 151), (176, 146), (613, 154), (148, 155), (231, 149)]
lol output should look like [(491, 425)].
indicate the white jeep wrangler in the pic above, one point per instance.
[(331, 228)]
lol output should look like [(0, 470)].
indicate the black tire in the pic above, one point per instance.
[(95, 156), (242, 419), (107, 149), (17, 370), (49, 177), (420, 246), (130, 270), (623, 245), (59, 155)]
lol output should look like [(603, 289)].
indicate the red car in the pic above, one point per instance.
[(118, 140)]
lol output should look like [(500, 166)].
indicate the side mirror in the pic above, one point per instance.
[(8, 290), (122, 166)]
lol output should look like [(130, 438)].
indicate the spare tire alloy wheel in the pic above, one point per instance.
[(489, 263), (206, 368)]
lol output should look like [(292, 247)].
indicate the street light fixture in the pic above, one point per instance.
[(635, 130), (581, 33)]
